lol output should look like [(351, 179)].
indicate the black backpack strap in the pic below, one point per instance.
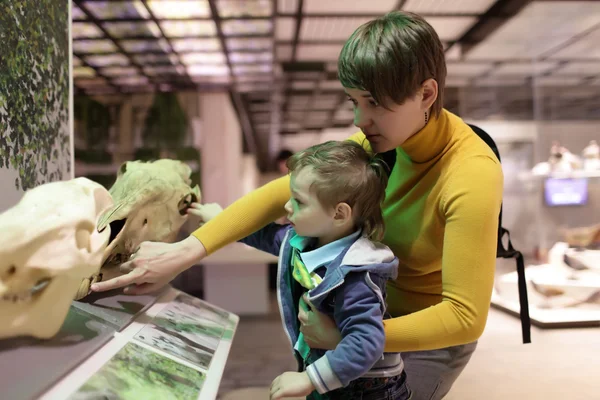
[(510, 251), (389, 158)]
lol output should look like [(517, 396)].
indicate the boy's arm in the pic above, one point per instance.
[(358, 314), (254, 210), (268, 239)]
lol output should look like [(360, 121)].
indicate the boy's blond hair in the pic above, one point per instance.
[(346, 173)]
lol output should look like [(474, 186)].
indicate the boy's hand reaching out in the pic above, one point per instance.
[(205, 212), (291, 384)]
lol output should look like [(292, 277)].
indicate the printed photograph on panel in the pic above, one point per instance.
[(137, 373)]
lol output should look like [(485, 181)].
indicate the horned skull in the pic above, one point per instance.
[(150, 204), (49, 245)]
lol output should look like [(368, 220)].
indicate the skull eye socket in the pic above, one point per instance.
[(115, 229), (123, 168), (185, 203)]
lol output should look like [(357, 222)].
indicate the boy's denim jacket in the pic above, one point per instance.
[(352, 293)]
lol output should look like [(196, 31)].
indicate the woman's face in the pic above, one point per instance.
[(387, 129)]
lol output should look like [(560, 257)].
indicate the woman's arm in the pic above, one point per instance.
[(246, 215), (155, 264), (471, 207), (251, 212)]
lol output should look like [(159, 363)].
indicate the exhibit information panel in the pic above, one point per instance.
[(168, 345)]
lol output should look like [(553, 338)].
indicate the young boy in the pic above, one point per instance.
[(326, 253)]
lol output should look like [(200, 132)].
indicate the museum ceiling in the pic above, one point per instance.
[(278, 58)]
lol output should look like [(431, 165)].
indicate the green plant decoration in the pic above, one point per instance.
[(34, 90), (96, 119), (166, 123)]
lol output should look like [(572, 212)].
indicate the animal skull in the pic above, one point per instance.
[(150, 203), (49, 244)]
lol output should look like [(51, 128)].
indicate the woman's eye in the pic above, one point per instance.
[(351, 100), (373, 103)]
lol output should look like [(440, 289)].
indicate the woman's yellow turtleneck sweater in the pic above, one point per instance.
[(441, 213)]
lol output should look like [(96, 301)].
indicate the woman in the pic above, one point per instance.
[(441, 208)]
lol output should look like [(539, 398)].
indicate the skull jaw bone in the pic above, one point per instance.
[(51, 244)]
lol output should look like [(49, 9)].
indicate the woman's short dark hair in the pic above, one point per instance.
[(390, 57)]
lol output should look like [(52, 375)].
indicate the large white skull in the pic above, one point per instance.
[(49, 245), (150, 203)]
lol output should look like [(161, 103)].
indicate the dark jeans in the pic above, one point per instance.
[(392, 388)]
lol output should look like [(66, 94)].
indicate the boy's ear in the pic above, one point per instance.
[(343, 212)]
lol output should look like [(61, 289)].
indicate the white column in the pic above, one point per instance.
[(221, 149), (124, 151), (235, 277)]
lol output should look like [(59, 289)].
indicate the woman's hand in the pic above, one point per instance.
[(319, 330), (205, 212), (154, 265)]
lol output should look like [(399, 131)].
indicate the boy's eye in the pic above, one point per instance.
[(350, 99), (373, 103)]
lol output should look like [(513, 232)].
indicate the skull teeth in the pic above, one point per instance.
[(26, 295), (17, 298)]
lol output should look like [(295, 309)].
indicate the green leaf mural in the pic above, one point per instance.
[(34, 90)]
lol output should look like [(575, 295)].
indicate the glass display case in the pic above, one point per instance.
[(111, 345)]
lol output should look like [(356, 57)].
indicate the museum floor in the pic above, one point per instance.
[(559, 364)]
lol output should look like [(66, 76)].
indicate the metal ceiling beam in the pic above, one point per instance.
[(298, 16), (375, 15), (400, 4), (191, 19), (174, 87), (93, 19), (276, 97), (284, 15), (315, 94), (240, 108), (295, 42), (341, 100), (569, 42), (98, 74), (151, 37), (160, 52), (496, 16), (165, 37)]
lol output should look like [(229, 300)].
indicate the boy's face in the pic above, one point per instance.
[(305, 212)]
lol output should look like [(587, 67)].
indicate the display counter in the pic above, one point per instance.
[(168, 345)]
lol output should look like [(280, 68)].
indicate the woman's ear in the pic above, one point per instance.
[(343, 213), (429, 93)]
